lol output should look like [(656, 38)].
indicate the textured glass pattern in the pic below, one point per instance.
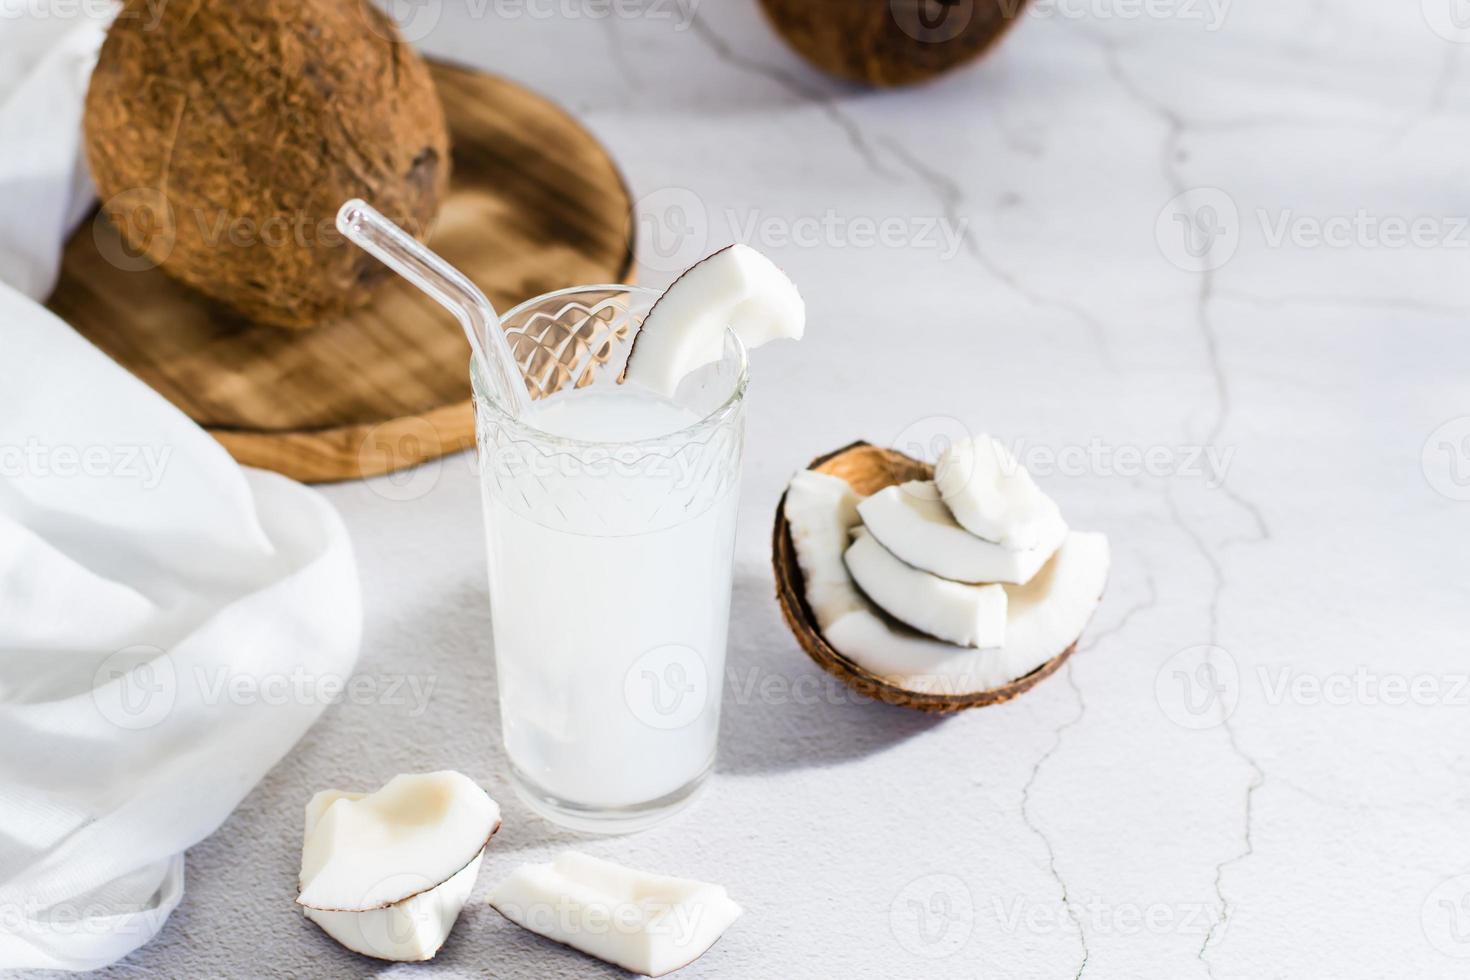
[(580, 338)]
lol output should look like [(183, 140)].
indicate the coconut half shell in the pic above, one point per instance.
[(868, 469)]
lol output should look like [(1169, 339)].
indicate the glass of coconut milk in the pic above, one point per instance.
[(610, 525)]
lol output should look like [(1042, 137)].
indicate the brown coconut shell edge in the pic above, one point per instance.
[(869, 469), (889, 43)]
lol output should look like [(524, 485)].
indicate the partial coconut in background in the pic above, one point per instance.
[(223, 136), (891, 42)]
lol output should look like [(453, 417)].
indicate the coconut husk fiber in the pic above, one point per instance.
[(223, 135)]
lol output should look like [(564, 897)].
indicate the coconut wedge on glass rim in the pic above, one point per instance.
[(735, 288), (387, 873), (846, 629)]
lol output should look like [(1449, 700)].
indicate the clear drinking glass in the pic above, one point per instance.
[(610, 523)]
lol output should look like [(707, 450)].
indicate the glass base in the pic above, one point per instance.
[(605, 820)]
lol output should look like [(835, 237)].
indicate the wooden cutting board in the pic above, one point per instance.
[(535, 204)]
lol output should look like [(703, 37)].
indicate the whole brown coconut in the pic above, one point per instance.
[(224, 134), (891, 42)]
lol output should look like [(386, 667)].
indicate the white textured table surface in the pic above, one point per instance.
[(1108, 823)]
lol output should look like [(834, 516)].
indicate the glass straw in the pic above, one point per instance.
[(365, 227)]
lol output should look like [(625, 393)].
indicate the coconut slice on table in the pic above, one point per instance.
[(386, 874), (993, 496), (736, 288), (646, 923), (966, 615), (853, 639), (915, 525)]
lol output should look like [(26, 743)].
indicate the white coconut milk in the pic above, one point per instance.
[(610, 591)]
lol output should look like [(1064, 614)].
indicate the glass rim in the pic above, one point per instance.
[(481, 392)]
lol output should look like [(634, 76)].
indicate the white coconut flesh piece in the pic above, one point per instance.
[(992, 495), (646, 923), (411, 930), (821, 511), (387, 873), (1043, 617), (966, 615), (736, 288), (915, 525)]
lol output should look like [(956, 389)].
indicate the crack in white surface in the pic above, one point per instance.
[(1258, 775), (1127, 617), (1176, 128), (1241, 123), (949, 194), (824, 101), (618, 54), (1222, 415), (1438, 94), (951, 199), (1056, 744), (1374, 809), (1396, 304), (1051, 854)]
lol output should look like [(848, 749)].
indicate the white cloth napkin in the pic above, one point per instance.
[(170, 623)]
